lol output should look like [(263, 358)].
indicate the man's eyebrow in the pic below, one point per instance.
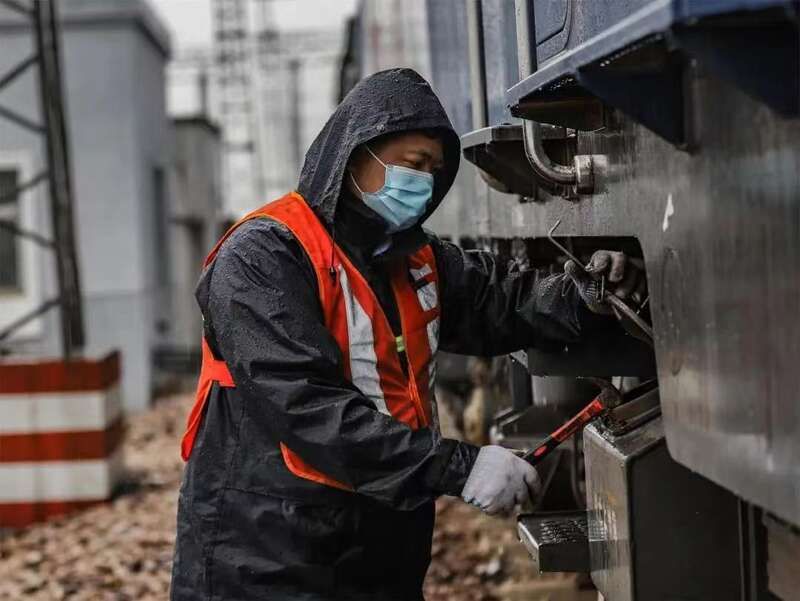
[(425, 153)]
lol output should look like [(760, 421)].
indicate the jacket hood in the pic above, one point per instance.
[(391, 101)]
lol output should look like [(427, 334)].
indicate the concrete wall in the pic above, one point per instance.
[(196, 220), (113, 55)]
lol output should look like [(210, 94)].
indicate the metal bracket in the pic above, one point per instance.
[(580, 175), (500, 155), (652, 91), (770, 75), (641, 69)]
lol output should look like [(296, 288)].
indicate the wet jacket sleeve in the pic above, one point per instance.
[(266, 322), (489, 309)]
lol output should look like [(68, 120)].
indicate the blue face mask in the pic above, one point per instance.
[(402, 199)]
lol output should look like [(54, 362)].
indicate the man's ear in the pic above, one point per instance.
[(349, 176), (356, 158)]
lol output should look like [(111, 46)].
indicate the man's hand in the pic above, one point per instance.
[(500, 480), (624, 278)]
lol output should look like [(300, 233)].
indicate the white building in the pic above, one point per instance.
[(196, 222), (122, 152)]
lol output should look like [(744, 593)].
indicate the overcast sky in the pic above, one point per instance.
[(190, 20)]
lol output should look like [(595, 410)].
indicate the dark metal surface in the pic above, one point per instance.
[(557, 541), (501, 70), (720, 233), (647, 54), (477, 63), (639, 405), (783, 553), (719, 230), (519, 384), (492, 135), (613, 355), (499, 152), (753, 536), (568, 394), (553, 25), (496, 151), (448, 36), (656, 530)]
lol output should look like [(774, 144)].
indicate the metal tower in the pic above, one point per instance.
[(56, 171), (233, 60)]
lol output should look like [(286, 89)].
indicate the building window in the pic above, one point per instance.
[(9, 213)]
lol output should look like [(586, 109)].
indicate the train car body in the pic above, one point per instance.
[(669, 129)]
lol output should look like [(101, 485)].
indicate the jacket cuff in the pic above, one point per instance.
[(449, 471)]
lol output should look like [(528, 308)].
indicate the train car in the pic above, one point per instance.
[(668, 129)]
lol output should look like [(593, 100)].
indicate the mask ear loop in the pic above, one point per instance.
[(375, 156), (332, 269), (355, 183), (353, 178)]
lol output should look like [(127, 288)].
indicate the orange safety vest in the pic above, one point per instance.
[(356, 320)]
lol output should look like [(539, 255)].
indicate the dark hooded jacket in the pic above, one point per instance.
[(247, 527)]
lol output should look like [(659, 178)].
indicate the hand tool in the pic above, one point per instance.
[(630, 318), (608, 398)]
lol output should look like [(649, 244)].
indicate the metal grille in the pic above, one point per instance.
[(556, 532)]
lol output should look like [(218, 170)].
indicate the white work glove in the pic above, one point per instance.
[(499, 481)]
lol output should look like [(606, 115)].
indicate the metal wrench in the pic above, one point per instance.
[(608, 398), (621, 308)]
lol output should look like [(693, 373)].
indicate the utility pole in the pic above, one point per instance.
[(295, 112)]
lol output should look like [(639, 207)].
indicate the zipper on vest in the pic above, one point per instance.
[(413, 391), (402, 357), (400, 346), (412, 382)]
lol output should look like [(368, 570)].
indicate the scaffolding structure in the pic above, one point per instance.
[(234, 69), (262, 85), (294, 69), (42, 17)]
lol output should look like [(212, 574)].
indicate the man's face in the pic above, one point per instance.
[(409, 149)]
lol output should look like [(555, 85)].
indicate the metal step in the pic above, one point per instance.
[(557, 541)]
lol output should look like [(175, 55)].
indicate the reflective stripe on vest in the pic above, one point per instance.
[(355, 319), (363, 360)]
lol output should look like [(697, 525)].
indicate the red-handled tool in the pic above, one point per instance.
[(608, 398)]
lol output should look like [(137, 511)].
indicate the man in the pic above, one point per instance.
[(314, 455)]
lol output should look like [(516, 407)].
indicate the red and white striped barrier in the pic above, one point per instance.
[(61, 430)]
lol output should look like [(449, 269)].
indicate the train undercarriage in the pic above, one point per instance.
[(668, 130)]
